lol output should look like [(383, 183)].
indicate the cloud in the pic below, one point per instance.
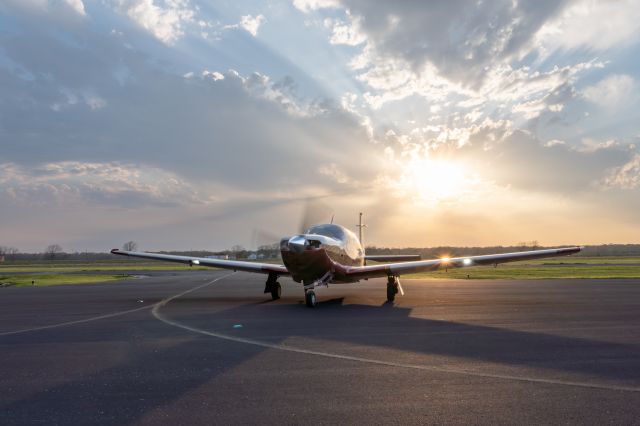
[(596, 25), (74, 183), (248, 23), (457, 53), (612, 91), (96, 128), (310, 5), (525, 163), (57, 9), (166, 20), (409, 50), (345, 33), (500, 157), (76, 5), (71, 98), (626, 176), (251, 23), (209, 127), (334, 172), (460, 40)]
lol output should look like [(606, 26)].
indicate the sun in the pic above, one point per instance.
[(434, 180)]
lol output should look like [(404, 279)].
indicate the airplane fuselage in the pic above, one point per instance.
[(323, 252)]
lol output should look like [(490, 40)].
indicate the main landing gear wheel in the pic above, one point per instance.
[(392, 289), (273, 286), (310, 299), (276, 291)]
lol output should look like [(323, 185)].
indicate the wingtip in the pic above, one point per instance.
[(570, 250)]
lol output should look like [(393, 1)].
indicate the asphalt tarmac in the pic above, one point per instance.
[(207, 347)]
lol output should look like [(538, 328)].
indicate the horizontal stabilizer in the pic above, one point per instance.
[(393, 257)]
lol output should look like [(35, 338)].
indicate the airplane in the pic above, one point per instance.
[(330, 253)]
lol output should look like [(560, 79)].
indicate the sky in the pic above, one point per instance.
[(189, 124)]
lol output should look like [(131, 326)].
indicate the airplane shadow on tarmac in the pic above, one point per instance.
[(150, 379), (391, 327)]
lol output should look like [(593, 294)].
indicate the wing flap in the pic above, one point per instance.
[(236, 265)]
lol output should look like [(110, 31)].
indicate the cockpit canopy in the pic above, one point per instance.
[(328, 230)]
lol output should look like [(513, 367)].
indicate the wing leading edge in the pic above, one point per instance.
[(361, 272), (236, 265)]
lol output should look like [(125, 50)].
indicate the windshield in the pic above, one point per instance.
[(328, 230)]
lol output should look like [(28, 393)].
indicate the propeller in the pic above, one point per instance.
[(315, 212), (261, 237)]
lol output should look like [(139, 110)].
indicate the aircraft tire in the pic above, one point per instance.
[(276, 291), (391, 293), (310, 299)]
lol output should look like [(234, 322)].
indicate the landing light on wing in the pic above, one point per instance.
[(445, 259), (466, 262)]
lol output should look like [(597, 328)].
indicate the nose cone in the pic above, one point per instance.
[(297, 243)]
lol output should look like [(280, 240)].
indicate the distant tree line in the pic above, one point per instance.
[(8, 253), (130, 246)]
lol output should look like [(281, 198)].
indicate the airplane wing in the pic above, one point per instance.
[(402, 268), (236, 265)]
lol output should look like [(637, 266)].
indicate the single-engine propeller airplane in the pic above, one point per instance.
[(330, 253)]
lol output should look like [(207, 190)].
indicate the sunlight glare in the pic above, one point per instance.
[(434, 180)]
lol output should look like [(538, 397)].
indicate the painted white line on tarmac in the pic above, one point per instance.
[(64, 324), (105, 316), (156, 313)]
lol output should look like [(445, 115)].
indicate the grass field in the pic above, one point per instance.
[(41, 280), (574, 260), (507, 272), (553, 268), (70, 272), (62, 267)]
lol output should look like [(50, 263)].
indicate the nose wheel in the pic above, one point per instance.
[(310, 298)]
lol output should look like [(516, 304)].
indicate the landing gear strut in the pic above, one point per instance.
[(273, 286), (393, 288), (310, 295)]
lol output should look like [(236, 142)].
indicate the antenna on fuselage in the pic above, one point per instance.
[(360, 225)]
